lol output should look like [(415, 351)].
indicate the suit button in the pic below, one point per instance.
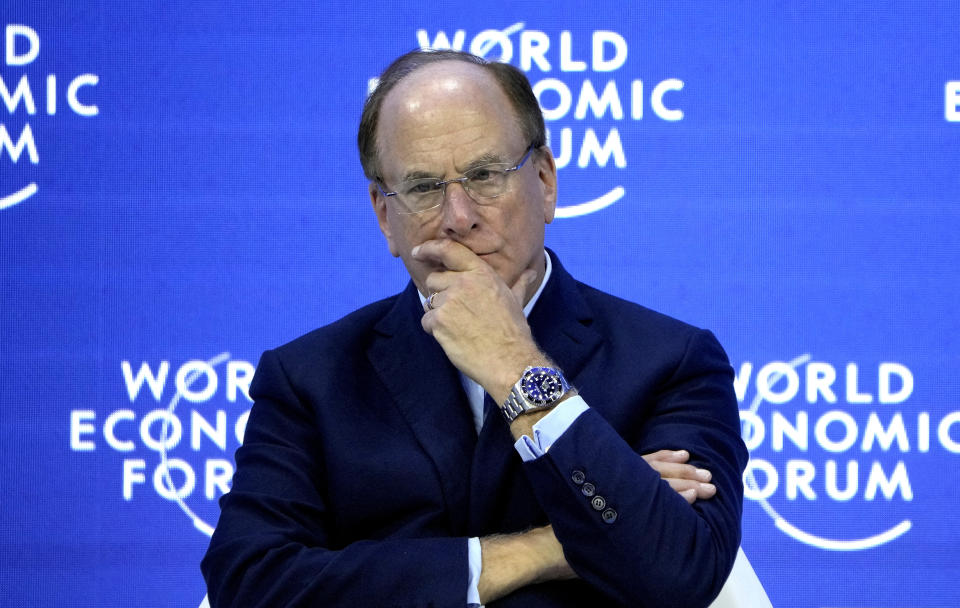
[(598, 503), (588, 489), (609, 516), (578, 477)]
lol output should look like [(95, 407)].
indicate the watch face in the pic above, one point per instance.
[(542, 385)]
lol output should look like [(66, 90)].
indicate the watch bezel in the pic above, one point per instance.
[(522, 400), (532, 387)]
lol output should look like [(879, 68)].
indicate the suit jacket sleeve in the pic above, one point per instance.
[(273, 545), (659, 550)]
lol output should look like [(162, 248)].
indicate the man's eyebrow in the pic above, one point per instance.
[(418, 175), (484, 159)]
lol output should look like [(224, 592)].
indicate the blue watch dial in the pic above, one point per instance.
[(542, 385)]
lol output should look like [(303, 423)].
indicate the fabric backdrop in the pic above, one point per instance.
[(179, 190)]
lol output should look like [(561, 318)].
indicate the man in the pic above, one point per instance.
[(375, 472)]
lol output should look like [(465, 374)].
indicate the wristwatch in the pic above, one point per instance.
[(539, 388)]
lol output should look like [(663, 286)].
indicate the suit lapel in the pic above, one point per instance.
[(426, 389), (561, 323)]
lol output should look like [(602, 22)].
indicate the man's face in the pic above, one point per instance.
[(440, 121)]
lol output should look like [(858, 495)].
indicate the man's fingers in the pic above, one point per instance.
[(704, 490), (450, 254), (685, 479), (667, 456), (439, 280), (680, 471), (687, 488)]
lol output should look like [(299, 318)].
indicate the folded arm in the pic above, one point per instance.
[(623, 528)]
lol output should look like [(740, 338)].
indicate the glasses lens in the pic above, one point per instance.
[(488, 181), (420, 194)]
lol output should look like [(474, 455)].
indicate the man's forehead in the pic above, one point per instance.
[(449, 97), (442, 84), (447, 73)]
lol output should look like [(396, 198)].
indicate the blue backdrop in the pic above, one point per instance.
[(179, 190)]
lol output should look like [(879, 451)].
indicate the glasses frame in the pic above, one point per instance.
[(463, 181)]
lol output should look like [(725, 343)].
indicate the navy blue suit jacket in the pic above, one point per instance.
[(361, 474)]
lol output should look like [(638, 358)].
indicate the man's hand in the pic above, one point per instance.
[(690, 482), (476, 318)]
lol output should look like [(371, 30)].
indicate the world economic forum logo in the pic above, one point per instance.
[(23, 91), (175, 431), (586, 102), (831, 448)]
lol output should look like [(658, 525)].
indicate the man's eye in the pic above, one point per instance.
[(422, 187), (482, 175)]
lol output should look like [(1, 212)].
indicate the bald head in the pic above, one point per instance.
[(418, 116), (512, 84)]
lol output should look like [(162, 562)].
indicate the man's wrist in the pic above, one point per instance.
[(517, 560), (538, 388), (512, 371), (523, 424)]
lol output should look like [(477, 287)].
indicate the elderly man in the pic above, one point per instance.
[(480, 437)]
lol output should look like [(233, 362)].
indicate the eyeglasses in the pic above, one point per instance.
[(481, 183)]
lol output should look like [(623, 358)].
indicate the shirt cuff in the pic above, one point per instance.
[(549, 428), (475, 561)]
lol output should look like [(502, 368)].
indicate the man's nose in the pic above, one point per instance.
[(459, 210)]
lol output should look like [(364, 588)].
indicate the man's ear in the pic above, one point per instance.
[(547, 174), (379, 202)]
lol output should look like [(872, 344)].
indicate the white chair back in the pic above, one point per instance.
[(743, 588)]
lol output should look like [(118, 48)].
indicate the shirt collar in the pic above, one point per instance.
[(543, 283)]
